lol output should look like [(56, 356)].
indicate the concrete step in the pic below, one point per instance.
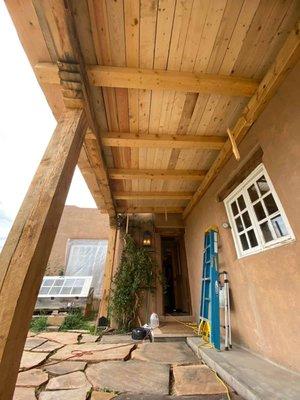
[(171, 318), (250, 376)]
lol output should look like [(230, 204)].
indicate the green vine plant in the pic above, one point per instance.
[(136, 275)]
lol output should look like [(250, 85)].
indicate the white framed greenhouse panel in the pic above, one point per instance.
[(256, 216), (65, 286)]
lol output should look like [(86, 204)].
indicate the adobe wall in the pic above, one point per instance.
[(265, 287), (76, 223)]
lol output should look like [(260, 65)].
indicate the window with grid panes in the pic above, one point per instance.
[(256, 215)]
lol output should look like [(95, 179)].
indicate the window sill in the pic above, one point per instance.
[(269, 247)]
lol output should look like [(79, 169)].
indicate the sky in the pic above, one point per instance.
[(27, 124)]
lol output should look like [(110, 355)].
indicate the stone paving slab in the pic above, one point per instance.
[(116, 339), (48, 347), (130, 376), (74, 380), (65, 367), (31, 359), (60, 337), (33, 342), (32, 378), (155, 397), (24, 394), (94, 352), (102, 396), (75, 394), (196, 379), (165, 353)]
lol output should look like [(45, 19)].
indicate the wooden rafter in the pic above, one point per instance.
[(136, 78), (72, 71), (153, 195), (118, 139), (153, 210), (163, 174), (284, 62)]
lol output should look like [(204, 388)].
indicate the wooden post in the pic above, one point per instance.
[(103, 308), (25, 254)]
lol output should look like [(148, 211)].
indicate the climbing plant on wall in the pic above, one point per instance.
[(136, 274)]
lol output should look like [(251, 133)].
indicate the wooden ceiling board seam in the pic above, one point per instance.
[(252, 38), (181, 24), (238, 36), (267, 33), (226, 28), (284, 30), (148, 24), (132, 42), (209, 34), (164, 27)]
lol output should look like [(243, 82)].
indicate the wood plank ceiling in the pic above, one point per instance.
[(157, 143)]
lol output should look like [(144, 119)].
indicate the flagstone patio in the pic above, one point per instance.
[(78, 366)]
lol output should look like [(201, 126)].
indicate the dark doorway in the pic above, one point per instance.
[(174, 268)]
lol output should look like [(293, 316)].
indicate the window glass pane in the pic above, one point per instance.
[(58, 282), (48, 282), (66, 290), (244, 242), (252, 238), (76, 290), (241, 202), (270, 204), (234, 208), (69, 282), (266, 231), (279, 226), (246, 219), (79, 282), (239, 224), (252, 193), (259, 211), (262, 185), (44, 290), (55, 290)]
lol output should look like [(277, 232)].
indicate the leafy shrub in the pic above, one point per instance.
[(136, 273), (75, 320), (38, 324)]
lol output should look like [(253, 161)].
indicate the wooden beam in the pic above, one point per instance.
[(108, 272), (118, 139), (284, 62), (163, 174), (25, 254), (152, 210), (153, 195), (154, 79), (59, 29)]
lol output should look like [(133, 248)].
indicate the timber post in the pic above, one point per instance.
[(108, 273), (25, 254)]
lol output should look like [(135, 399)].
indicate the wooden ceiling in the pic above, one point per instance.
[(162, 81)]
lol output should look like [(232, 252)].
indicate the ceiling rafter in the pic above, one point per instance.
[(152, 210), (157, 174), (154, 79), (144, 195), (138, 140)]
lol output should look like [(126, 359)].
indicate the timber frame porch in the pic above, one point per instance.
[(151, 99)]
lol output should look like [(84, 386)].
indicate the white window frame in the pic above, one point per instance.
[(242, 190), (63, 282)]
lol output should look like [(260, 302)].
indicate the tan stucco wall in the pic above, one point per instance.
[(266, 286), (76, 223)]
